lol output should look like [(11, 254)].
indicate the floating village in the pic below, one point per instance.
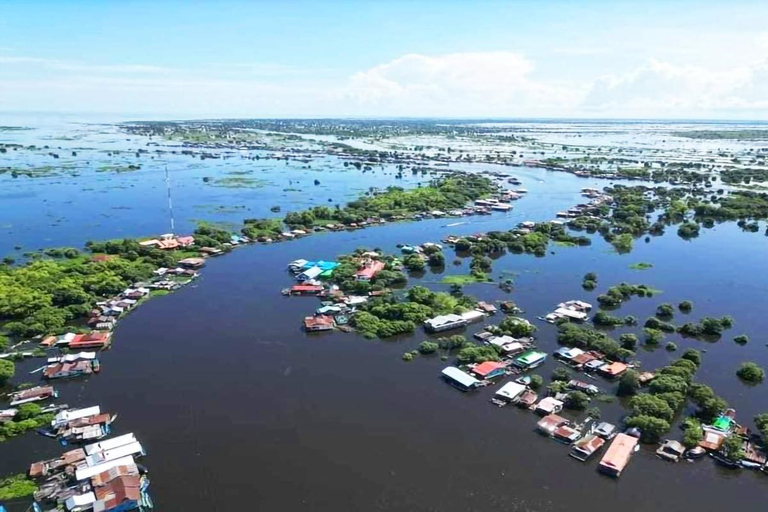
[(100, 471), (511, 373)]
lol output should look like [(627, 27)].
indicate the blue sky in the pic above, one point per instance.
[(387, 58)]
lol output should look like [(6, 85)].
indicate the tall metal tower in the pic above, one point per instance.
[(170, 203)]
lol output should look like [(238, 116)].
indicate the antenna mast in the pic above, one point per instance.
[(170, 203)]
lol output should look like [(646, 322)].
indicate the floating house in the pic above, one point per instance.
[(445, 323), (671, 450), (582, 359), (569, 314), (296, 265), (585, 447), (576, 305), (508, 345), (566, 353), (529, 360), (66, 416), (490, 370), (549, 423), (46, 467), (310, 273), (318, 323), (613, 370), (594, 365), (79, 425), (75, 369), (80, 502), (35, 394), (305, 289), (472, 316), (486, 308), (713, 439), (122, 494), (527, 399), (645, 377), (192, 263), (605, 430), (566, 434), (549, 405), (459, 379), (577, 385), (7, 414), (510, 392), (93, 340), (618, 454)]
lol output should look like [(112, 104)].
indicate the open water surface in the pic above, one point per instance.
[(240, 410)]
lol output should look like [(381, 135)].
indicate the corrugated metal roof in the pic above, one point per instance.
[(511, 390), (460, 377)]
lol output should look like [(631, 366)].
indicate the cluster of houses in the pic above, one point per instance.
[(80, 425), (587, 209), (169, 242), (71, 365), (587, 438), (584, 439), (94, 340), (100, 477), (572, 310), (500, 203), (337, 307), (310, 272)]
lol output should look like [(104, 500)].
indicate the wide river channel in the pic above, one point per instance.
[(240, 410)]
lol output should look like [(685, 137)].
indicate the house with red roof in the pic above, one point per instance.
[(318, 323), (92, 340), (369, 270), (489, 369)]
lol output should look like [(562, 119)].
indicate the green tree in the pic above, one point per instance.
[(733, 447), (561, 374), (629, 383), (628, 341), (692, 355), (536, 381), (436, 259), (650, 405), (651, 428), (669, 384), (693, 433), (428, 347), (761, 422), (653, 336), (516, 327), (686, 306), (414, 263), (750, 372), (742, 339), (7, 371), (27, 411), (665, 310), (576, 400)]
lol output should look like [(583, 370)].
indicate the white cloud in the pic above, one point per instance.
[(662, 89), (456, 84), (472, 84)]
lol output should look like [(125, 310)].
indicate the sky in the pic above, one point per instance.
[(419, 58)]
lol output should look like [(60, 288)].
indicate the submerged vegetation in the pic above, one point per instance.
[(16, 486), (615, 295), (29, 417)]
